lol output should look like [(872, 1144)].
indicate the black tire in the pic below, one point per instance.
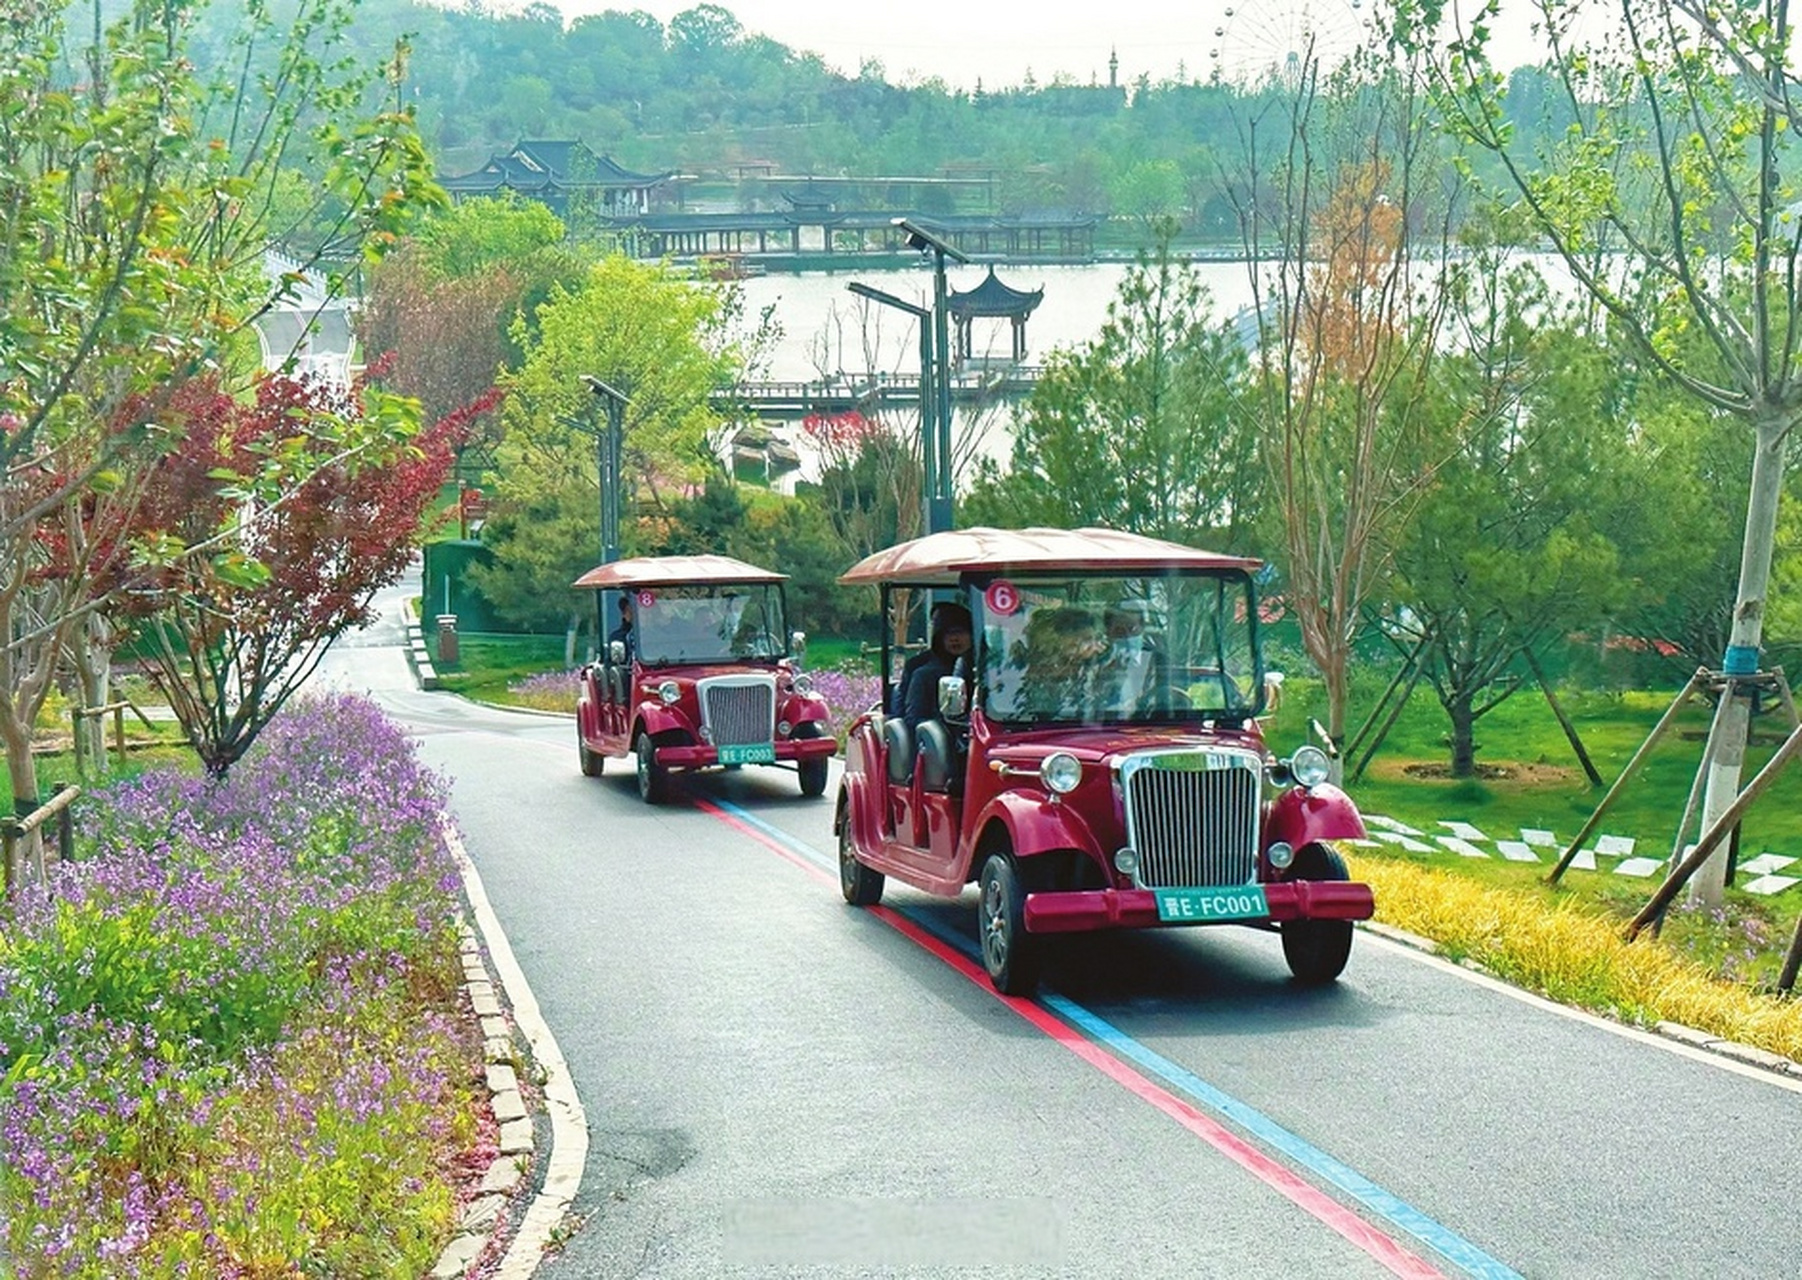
[(1317, 949), (813, 772), (592, 761), (653, 778), (862, 887), (1009, 953)]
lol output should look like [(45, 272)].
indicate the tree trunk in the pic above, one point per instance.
[(1463, 737), (1726, 755)]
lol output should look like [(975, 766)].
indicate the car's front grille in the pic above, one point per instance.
[(1192, 816), (738, 710)]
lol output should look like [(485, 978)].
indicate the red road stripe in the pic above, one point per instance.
[(1324, 1208)]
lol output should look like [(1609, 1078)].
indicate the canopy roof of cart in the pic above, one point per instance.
[(940, 559), (674, 571)]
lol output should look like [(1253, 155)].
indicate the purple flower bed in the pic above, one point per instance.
[(848, 694), (226, 1032), (547, 691)]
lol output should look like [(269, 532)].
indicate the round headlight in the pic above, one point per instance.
[(803, 684), (670, 692), (1309, 766), (1281, 853), (1060, 772), (784, 728)]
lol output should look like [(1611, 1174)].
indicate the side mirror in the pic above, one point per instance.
[(616, 651), (954, 697), (797, 645), (1273, 690)]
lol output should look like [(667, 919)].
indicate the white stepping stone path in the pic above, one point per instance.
[(1584, 860), (1463, 830), (1407, 842), (1465, 847), (1516, 850), (1767, 885), (1535, 836), (1640, 868), (1615, 846), (1764, 864), (1389, 824)]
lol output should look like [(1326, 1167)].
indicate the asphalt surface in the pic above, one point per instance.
[(778, 1084)]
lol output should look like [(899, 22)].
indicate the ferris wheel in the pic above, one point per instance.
[(1261, 42)]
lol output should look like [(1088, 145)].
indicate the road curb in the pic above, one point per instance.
[(497, 987)]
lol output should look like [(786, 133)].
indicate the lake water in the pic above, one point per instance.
[(826, 329)]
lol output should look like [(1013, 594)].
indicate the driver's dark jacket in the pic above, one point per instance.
[(920, 695)]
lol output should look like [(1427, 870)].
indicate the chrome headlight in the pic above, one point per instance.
[(1060, 772), (803, 684), (1281, 853), (670, 692), (1309, 767)]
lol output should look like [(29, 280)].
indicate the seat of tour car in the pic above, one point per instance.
[(937, 759), (898, 743)]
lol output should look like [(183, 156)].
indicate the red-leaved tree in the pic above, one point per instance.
[(252, 576)]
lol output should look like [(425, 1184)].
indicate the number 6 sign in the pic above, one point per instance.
[(1001, 599)]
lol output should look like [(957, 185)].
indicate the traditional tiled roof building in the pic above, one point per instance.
[(551, 172)]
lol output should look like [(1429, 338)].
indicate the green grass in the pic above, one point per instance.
[(488, 663)]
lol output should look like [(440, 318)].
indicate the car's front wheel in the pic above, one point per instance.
[(653, 778), (813, 772), (1317, 949), (592, 761), (1009, 954), (862, 887)]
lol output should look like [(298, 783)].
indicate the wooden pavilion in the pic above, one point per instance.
[(552, 172), (993, 299)]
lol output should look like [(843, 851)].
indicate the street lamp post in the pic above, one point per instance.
[(607, 448), (923, 240), (929, 464)]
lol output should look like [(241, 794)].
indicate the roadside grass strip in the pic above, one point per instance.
[(1568, 955), (1114, 1053)]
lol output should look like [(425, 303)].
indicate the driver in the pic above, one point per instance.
[(623, 632), (1061, 654), (1132, 664)]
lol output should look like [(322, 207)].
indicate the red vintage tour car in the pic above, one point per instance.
[(698, 671), (1096, 761)]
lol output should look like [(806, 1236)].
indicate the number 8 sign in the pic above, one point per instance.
[(1001, 598)]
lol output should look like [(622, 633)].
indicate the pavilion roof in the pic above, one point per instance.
[(992, 298), (542, 164)]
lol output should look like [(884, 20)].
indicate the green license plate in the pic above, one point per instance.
[(747, 753), (1198, 906)]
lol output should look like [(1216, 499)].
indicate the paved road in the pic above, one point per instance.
[(778, 1084)]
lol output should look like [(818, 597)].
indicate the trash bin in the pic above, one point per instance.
[(447, 639)]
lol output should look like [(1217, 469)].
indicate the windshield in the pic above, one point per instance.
[(709, 623), (1103, 650)]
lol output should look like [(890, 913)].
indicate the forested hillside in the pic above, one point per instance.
[(704, 97)]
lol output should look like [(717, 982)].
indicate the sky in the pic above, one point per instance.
[(998, 41)]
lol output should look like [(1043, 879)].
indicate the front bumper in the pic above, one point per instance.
[(702, 755), (1082, 911)]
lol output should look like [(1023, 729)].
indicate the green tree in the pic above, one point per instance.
[(1505, 552), (1670, 199), (1137, 430), (139, 195), (670, 344)]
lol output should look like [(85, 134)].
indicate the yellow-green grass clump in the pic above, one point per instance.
[(1575, 957)]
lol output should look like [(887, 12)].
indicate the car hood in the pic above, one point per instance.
[(1104, 745)]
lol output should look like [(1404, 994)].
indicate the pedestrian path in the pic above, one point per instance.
[(1608, 854)]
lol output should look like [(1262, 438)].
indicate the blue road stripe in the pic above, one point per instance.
[(1386, 1205)]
